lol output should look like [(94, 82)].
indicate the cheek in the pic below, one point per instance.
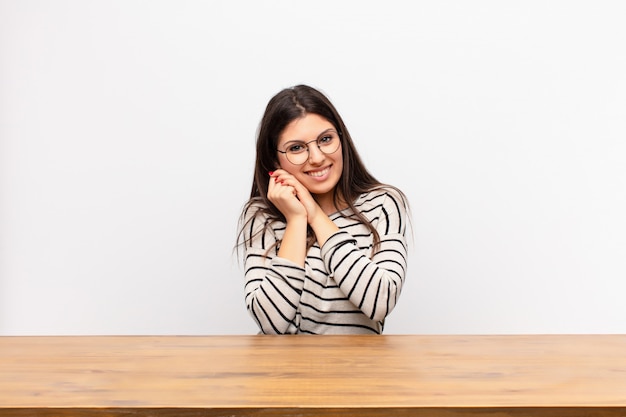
[(339, 159), (290, 169), (281, 163)]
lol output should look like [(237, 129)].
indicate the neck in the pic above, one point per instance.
[(327, 203)]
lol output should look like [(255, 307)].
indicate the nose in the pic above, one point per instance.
[(316, 156)]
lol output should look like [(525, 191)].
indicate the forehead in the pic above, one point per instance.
[(305, 128)]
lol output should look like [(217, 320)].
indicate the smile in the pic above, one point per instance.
[(320, 173)]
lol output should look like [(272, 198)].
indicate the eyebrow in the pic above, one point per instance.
[(330, 129)]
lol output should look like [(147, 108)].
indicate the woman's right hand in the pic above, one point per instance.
[(294, 200), (283, 196)]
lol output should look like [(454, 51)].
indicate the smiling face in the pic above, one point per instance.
[(321, 171)]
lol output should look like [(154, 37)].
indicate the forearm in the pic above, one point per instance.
[(323, 227), (293, 245), (273, 289), (273, 284), (372, 285)]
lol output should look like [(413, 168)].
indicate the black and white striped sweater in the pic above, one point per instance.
[(343, 287)]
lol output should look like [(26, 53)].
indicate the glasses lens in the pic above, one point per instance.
[(329, 143), (298, 158), (298, 153)]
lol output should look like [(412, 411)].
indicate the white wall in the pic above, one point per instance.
[(127, 137)]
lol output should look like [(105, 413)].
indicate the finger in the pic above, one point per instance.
[(281, 177), (301, 190)]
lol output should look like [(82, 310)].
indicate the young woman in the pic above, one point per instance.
[(324, 243)]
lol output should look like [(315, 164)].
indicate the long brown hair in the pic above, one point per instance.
[(286, 106)]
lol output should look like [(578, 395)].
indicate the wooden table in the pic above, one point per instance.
[(392, 375)]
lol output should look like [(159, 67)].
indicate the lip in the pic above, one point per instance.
[(319, 174)]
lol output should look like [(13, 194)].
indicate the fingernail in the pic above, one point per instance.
[(271, 172)]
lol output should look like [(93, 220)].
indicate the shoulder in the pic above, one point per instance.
[(379, 197), (253, 208), (255, 216), (386, 207)]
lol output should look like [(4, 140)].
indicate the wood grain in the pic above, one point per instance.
[(447, 376)]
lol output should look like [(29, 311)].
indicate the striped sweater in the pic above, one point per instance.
[(343, 287)]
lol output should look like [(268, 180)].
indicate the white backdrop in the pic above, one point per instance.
[(127, 142)]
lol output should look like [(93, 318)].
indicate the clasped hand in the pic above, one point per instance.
[(290, 196)]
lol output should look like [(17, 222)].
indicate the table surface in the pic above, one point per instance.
[(404, 372)]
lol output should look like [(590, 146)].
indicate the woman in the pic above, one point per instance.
[(325, 248)]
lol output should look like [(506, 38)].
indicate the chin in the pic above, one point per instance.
[(321, 190)]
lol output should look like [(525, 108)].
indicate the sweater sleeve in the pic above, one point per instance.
[(373, 284), (273, 284)]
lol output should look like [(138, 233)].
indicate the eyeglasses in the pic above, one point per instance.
[(297, 152)]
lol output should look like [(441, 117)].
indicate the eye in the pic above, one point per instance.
[(296, 148), (325, 140)]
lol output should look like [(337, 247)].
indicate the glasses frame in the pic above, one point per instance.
[(306, 144)]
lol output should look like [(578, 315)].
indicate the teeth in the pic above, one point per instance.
[(318, 173)]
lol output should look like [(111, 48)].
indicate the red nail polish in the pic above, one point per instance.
[(271, 172)]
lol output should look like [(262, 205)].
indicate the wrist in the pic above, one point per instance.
[(295, 219), (323, 227)]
